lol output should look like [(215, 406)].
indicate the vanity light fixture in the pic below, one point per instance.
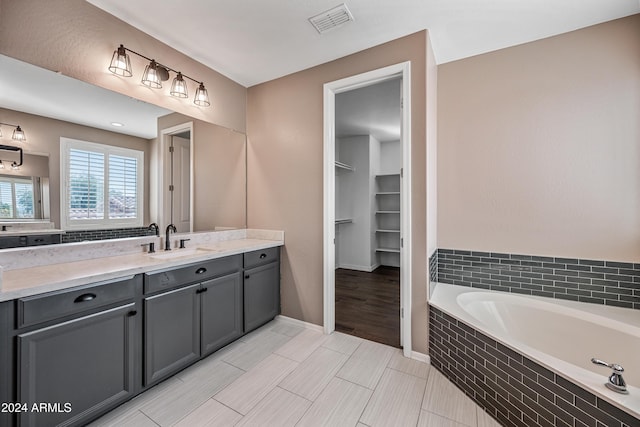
[(120, 63), (202, 97), (155, 73), (18, 133), (179, 88), (14, 164), (150, 76)]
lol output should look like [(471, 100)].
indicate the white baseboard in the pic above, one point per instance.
[(367, 269), (302, 323), (421, 357)]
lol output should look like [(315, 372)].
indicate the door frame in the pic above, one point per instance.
[(163, 183), (329, 92)]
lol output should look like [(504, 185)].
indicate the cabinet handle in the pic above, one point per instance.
[(263, 256), (247, 276), (132, 313), (205, 289), (201, 270), (85, 297), (199, 291)]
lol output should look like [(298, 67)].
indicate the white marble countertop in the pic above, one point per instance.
[(46, 278), (24, 232)]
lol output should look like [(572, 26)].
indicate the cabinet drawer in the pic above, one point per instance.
[(10, 242), (264, 256), (53, 305), (171, 278), (42, 239)]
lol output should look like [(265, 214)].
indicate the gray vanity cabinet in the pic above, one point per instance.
[(191, 320), (76, 352), (79, 368), (261, 287), (172, 332), (82, 351), (29, 240)]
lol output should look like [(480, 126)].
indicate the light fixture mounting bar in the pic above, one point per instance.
[(160, 64)]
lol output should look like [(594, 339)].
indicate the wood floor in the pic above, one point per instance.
[(368, 304)]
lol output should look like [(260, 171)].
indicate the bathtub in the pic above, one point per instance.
[(560, 335)]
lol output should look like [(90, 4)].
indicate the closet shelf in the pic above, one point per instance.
[(387, 212), (388, 175), (344, 166), (387, 231), (388, 193), (389, 250), (343, 221)]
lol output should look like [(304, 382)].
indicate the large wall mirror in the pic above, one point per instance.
[(194, 171)]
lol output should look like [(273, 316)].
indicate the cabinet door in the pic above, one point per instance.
[(261, 295), (172, 332), (221, 300), (78, 368)]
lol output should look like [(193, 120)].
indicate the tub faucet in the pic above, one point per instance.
[(615, 382), (167, 242)]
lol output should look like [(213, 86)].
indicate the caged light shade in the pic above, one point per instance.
[(179, 87), (120, 63), (202, 97), (151, 76), (18, 135)]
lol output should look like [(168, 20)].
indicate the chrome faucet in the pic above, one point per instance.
[(616, 382), (167, 242), (154, 226)]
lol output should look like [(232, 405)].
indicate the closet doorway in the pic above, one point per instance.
[(366, 278), (368, 164)]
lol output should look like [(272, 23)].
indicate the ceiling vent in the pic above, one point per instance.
[(332, 18)]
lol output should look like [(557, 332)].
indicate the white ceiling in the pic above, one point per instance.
[(253, 41), (372, 110), (34, 90)]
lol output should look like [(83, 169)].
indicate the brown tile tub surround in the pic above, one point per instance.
[(510, 387), (593, 281)]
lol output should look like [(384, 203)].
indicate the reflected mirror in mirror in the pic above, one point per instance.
[(49, 106), (24, 190)]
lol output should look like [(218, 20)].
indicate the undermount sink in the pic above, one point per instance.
[(177, 253)]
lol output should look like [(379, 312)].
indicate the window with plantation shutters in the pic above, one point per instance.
[(16, 198), (86, 184), (102, 186), (123, 188)]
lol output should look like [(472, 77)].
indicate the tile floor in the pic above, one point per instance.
[(285, 375)]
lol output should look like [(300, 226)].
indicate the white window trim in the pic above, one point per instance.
[(66, 144)]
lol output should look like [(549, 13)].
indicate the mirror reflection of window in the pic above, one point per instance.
[(102, 186), (16, 198)]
